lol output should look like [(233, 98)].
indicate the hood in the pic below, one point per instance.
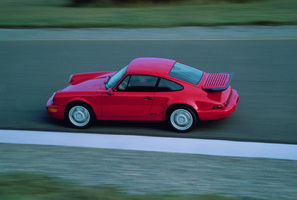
[(88, 81), (216, 82), (78, 78)]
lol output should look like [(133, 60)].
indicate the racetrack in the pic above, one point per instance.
[(265, 78)]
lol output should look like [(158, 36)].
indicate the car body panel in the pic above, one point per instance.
[(127, 104), (151, 66)]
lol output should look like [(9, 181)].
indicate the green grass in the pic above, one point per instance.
[(32, 186), (58, 13)]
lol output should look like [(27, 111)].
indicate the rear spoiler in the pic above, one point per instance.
[(217, 82)]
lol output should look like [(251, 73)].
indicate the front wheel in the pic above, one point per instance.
[(181, 119), (79, 115)]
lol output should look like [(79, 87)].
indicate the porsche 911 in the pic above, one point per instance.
[(147, 89)]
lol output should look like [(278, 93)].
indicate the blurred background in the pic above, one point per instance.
[(145, 13)]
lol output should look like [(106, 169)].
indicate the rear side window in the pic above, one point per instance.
[(167, 86)]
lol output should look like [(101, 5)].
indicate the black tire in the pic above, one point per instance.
[(79, 115), (181, 118)]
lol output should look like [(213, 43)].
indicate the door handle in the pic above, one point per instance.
[(148, 98)]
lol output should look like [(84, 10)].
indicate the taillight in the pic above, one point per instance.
[(219, 106), (223, 105)]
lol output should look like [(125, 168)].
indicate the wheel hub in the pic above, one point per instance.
[(79, 116), (181, 119)]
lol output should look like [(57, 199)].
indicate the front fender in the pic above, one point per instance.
[(93, 100)]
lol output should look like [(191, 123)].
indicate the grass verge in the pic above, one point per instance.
[(24, 185), (58, 13)]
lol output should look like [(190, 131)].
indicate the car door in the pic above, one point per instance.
[(166, 92), (133, 97)]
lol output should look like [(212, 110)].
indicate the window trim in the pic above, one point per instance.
[(155, 87)]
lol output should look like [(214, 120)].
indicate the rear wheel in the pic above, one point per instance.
[(79, 115), (181, 119)]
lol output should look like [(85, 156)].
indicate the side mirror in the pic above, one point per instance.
[(109, 91)]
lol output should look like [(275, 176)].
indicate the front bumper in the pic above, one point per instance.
[(54, 111), (220, 113)]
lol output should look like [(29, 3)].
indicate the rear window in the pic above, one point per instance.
[(186, 73)]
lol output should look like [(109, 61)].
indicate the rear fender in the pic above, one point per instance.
[(193, 107), (173, 104)]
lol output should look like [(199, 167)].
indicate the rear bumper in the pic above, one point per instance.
[(220, 113), (54, 111)]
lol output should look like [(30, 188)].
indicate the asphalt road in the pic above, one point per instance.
[(265, 78)]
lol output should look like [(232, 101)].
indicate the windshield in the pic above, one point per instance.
[(186, 73), (111, 83)]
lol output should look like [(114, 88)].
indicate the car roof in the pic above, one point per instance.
[(150, 66)]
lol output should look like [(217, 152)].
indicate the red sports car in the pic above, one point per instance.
[(154, 89)]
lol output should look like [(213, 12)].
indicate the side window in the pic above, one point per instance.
[(138, 83), (123, 85), (166, 86)]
